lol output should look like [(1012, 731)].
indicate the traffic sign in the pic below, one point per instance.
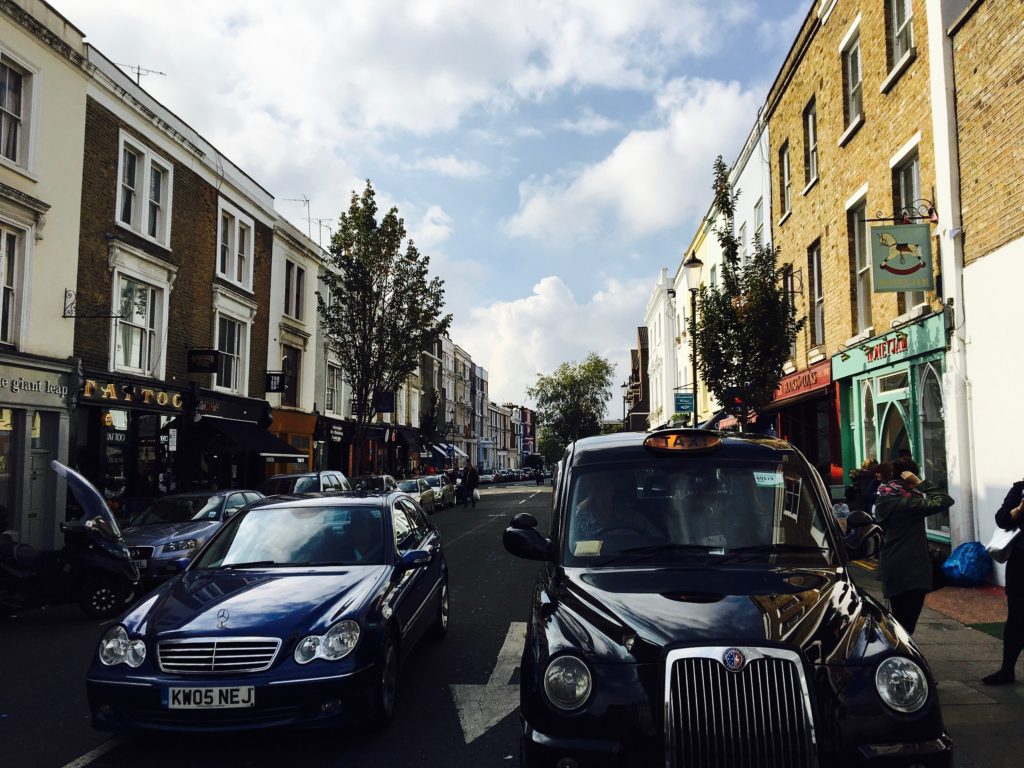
[(451, 450), (684, 402)]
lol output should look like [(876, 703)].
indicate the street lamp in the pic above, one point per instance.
[(692, 267)]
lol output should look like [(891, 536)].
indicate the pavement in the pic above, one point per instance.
[(959, 633)]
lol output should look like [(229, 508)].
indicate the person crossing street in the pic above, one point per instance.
[(470, 480)]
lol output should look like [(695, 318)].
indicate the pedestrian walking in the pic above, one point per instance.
[(1011, 517), (905, 563), (470, 480), (863, 487)]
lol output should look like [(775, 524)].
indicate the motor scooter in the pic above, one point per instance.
[(93, 568)]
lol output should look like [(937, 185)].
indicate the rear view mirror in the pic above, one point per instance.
[(415, 558), (524, 521)]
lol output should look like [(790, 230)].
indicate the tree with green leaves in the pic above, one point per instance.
[(571, 401), (381, 309), (747, 325)]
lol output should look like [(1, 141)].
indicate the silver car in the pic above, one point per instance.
[(422, 493)]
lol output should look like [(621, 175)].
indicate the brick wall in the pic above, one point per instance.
[(193, 251), (988, 64), (890, 121)]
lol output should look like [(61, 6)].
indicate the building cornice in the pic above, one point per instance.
[(47, 36)]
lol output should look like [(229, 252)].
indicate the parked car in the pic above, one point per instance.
[(244, 638), (487, 476), (305, 482), (424, 495), (443, 489), (374, 483), (696, 598), (177, 526)]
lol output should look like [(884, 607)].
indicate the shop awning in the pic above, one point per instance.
[(411, 438), (251, 437), (442, 449)]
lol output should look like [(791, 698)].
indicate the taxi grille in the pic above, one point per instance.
[(198, 656), (758, 717), (140, 553)]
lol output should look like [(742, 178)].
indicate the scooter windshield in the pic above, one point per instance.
[(96, 514)]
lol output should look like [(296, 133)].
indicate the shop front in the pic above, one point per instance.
[(891, 403), (298, 430), (138, 439), (410, 451), (805, 412), (35, 402), (334, 438)]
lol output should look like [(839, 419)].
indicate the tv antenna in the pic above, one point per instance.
[(321, 224), (138, 71), (305, 201)]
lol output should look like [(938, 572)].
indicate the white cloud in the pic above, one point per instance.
[(589, 123), (449, 165), (433, 229), (515, 340), (653, 180)]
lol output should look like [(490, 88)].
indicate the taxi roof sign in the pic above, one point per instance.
[(683, 440)]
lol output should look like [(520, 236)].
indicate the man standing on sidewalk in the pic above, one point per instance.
[(470, 480)]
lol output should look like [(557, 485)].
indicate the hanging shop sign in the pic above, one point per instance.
[(203, 360), (131, 395), (901, 258), (275, 382)]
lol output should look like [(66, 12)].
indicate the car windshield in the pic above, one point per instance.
[(409, 486), (369, 483), (671, 510), (281, 485), (180, 509), (287, 536), (434, 481)]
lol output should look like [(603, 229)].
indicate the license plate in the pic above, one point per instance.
[(211, 698), (141, 564)]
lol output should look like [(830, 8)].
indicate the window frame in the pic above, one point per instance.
[(239, 222), (294, 286), (816, 295), (25, 153), (895, 30), (860, 263), (292, 395), (853, 91), (11, 304), (759, 220), (141, 267), (785, 180), (149, 330), (145, 160), (810, 123), (241, 311)]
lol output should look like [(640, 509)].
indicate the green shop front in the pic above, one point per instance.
[(890, 390)]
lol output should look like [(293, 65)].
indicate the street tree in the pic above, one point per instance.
[(380, 310), (571, 401), (747, 325)]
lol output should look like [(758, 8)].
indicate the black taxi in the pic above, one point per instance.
[(695, 609)]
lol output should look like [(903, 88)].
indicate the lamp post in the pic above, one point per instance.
[(693, 266)]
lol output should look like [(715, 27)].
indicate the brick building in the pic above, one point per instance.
[(173, 278), (851, 149)]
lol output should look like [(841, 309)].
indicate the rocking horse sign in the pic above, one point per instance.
[(901, 258)]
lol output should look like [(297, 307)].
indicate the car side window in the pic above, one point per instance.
[(342, 482), (251, 497), (306, 484), (417, 517), (406, 537), (234, 503)]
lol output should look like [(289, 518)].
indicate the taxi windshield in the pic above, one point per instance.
[(670, 510), (289, 536)]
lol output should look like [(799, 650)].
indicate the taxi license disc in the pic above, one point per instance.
[(236, 697)]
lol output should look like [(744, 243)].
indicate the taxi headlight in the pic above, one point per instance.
[(901, 684), (336, 643), (180, 546), (117, 648), (567, 682)]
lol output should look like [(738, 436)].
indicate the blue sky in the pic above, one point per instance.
[(549, 155)]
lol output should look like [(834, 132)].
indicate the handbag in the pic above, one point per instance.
[(1001, 544), (476, 495)]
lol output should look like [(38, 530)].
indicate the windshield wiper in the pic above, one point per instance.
[(253, 564), (655, 549), (755, 549)]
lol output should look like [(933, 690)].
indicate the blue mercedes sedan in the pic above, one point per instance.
[(299, 611)]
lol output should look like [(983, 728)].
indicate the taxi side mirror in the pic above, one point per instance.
[(522, 539)]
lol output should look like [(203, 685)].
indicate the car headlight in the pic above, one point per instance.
[(901, 684), (117, 648), (336, 643), (567, 682), (180, 545)]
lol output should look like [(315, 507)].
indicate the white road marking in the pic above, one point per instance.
[(481, 707), (101, 750)]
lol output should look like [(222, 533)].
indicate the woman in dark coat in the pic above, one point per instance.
[(1011, 517), (905, 562)]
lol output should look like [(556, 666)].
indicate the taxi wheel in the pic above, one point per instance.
[(102, 599), (386, 687)]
